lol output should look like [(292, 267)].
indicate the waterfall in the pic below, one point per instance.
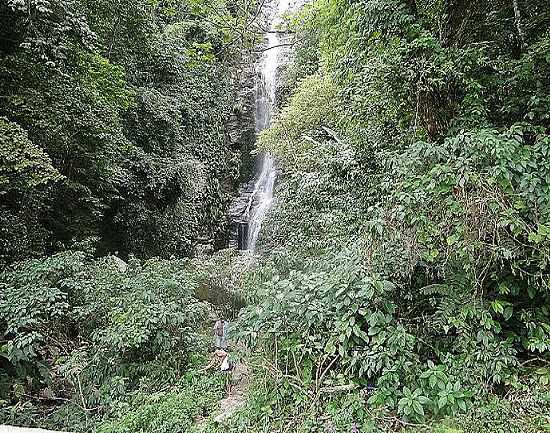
[(263, 190), (261, 199)]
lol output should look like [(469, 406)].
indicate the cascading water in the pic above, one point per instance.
[(263, 190), (261, 198)]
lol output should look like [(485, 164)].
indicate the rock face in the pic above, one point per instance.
[(242, 136), (238, 213), (241, 129)]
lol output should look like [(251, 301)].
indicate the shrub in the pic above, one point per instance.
[(175, 411), (74, 326)]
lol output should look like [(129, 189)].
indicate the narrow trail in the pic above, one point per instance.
[(236, 390), (236, 394)]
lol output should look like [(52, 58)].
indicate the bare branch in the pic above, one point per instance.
[(290, 44)]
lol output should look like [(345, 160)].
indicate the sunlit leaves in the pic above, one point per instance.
[(24, 165)]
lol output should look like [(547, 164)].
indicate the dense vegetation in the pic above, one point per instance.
[(408, 251), (90, 339), (403, 277), (113, 120)]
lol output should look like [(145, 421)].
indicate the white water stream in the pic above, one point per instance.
[(261, 199)]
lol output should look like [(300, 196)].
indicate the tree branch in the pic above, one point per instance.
[(275, 46)]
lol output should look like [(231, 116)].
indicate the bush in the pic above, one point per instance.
[(93, 330), (416, 162), (175, 411)]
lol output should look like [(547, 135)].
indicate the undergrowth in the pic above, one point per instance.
[(274, 405)]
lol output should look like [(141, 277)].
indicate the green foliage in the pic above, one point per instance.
[(416, 158), (525, 412), (411, 405), (26, 171), (24, 165), (94, 332), (273, 404), (172, 411), (48, 30), (129, 102), (34, 309), (106, 81)]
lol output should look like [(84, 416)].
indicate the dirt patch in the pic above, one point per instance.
[(236, 392)]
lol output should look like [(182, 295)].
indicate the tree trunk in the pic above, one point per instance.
[(455, 19), (517, 19)]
